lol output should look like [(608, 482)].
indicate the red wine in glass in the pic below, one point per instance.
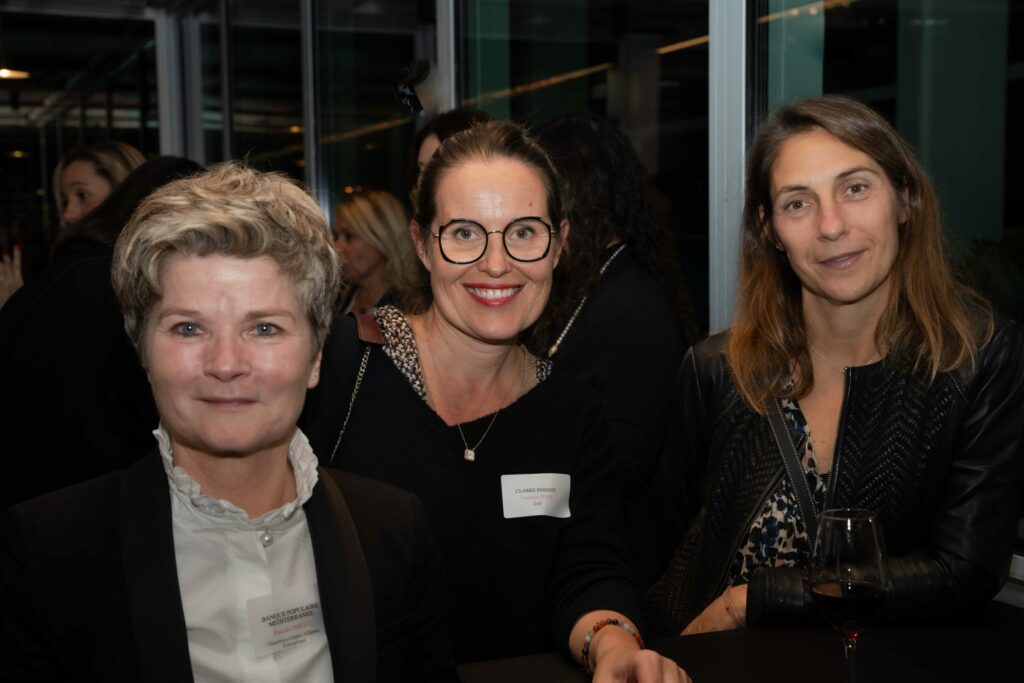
[(850, 606), (848, 576)]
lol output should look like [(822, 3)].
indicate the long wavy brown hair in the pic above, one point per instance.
[(932, 321), (609, 198)]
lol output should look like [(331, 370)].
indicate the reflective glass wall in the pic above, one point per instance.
[(86, 80), (364, 131), (642, 65), (947, 74), (262, 62)]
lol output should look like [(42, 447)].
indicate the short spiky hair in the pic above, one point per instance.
[(231, 210)]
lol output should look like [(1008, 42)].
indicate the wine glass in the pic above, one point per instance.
[(848, 575)]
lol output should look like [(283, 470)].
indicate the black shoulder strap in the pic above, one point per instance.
[(794, 468)]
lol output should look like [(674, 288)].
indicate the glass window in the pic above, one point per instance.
[(365, 133), (266, 87), (90, 79), (947, 75), (642, 65)]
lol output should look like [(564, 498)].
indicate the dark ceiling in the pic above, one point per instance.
[(69, 58)]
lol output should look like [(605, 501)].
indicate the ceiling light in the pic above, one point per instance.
[(12, 74)]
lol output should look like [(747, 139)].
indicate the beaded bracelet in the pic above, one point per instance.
[(611, 621)]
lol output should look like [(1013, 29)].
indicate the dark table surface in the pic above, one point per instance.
[(989, 646)]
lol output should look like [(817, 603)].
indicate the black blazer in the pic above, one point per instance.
[(89, 586), (75, 402)]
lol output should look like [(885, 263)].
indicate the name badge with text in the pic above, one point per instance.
[(285, 620), (532, 495)]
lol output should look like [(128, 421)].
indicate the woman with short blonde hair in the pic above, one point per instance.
[(232, 210), (236, 555)]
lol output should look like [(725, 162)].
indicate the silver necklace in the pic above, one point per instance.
[(469, 454), (554, 347), (843, 369)]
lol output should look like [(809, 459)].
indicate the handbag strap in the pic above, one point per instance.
[(367, 330), (352, 400), (794, 468)]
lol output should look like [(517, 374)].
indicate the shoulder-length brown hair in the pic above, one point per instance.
[(930, 319)]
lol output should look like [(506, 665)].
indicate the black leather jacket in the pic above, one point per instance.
[(941, 462)]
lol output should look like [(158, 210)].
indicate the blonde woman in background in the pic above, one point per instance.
[(377, 255), (83, 178), (87, 174)]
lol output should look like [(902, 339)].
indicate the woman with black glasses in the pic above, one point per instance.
[(510, 460)]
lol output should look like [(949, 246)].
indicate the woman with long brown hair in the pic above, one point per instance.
[(895, 386)]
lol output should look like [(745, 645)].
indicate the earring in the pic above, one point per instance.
[(778, 245)]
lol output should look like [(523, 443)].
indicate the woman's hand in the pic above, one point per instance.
[(624, 664), (728, 611), (10, 275), (616, 657)]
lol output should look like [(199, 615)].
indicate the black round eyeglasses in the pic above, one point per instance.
[(464, 241)]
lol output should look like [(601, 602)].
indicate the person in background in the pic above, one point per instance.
[(377, 257), (65, 359), (84, 177), (225, 554), (618, 319), (857, 357), (10, 273), (511, 460), (439, 129), (88, 173)]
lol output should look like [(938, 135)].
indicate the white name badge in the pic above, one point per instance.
[(531, 495), (285, 620)]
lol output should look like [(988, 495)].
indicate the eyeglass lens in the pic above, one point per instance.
[(526, 239)]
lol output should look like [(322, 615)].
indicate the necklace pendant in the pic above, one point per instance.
[(469, 454)]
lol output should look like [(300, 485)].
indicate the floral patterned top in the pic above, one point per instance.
[(400, 347), (778, 535)]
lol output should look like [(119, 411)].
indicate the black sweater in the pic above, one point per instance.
[(627, 346), (515, 586)]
